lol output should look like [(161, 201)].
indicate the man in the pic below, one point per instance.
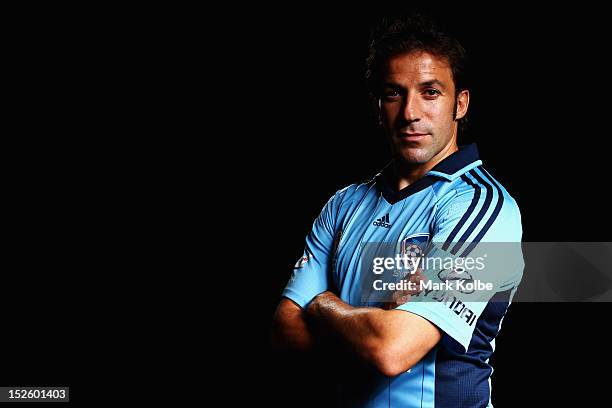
[(427, 348)]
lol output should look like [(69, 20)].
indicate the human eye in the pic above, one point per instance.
[(391, 94), (431, 93)]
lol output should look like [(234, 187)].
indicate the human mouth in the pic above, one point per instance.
[(412, 137)]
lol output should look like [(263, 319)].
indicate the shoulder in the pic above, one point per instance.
[(479, 199), (355, 192)]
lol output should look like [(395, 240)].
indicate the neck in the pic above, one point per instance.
[(407, 173)]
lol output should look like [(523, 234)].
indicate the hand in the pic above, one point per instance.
[(403, 296), (319, 300)]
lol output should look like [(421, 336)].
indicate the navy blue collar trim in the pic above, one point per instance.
[(463, 157), (452, 165)]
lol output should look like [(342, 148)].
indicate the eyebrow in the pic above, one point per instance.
[(421, 85), (432, 82)]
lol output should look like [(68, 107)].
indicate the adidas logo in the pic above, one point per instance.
[(382, 222)]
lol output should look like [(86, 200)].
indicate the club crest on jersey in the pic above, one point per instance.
[(415, 245)]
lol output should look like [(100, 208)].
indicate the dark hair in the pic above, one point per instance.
[(407, 33)]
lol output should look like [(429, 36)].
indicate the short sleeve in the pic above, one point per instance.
[(474, 254), (310, 275)]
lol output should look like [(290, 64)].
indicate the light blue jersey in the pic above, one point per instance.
[(456, 206)]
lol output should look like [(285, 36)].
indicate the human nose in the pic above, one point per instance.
[(411, 109)]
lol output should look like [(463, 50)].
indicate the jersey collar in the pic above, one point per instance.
[(458, 163), (452, 167)]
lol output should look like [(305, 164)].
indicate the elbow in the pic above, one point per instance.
[(389, 360), (395, 349), (391, 366)]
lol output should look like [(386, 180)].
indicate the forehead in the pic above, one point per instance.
[(417, 66)]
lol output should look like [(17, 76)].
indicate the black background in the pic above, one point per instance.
[(289, 82), (539, 113)]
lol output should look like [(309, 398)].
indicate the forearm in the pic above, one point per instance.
[(366, 329), (392, 340)]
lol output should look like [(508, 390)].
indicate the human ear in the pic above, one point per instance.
[(463, 101)]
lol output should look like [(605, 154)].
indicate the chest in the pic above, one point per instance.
[(375, 222)]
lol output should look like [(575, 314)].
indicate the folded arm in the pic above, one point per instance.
[(392, 340)]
